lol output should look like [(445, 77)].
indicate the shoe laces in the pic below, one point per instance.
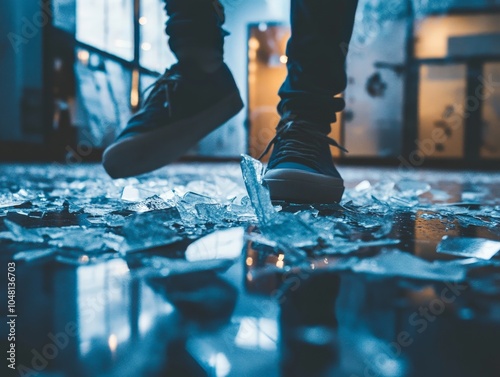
[(168, 83), (299, 140)]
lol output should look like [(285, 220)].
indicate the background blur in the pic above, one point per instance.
[(424, 78)]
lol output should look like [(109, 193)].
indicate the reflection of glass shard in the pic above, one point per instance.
[(89, 240), (400, 264), (20, 234), (469, 247), (162, 267), (349, 247), (223, 244), (34, 255)]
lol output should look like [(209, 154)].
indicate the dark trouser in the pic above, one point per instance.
[(195, 24), (321, 31)]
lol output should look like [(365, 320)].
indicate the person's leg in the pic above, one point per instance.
[(301, 167), (317, 49), (195, 32), (191, 99)]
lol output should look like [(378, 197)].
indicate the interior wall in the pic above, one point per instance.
[(21, 64), (9, 62)]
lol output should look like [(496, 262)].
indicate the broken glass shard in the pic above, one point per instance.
[(363, 186), (348, 247), (480, 248), (21, 234), (188, 215), (242, 213), (113, 241), (401, 264), (411, 188), (34, 255), (152, 203), (101, 206), (467, 221), (89, 240), (259, 195), (157, 266), (403, 203), (383, 190), (192, 198), (473, 196), (213, 213), (290, 230), (223, 244), (260, 239), (148, 230), (324, 227), (135, 194), (440, 195), (114, 221), (16, 199)]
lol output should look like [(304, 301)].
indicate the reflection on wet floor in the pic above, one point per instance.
[(186, 273)]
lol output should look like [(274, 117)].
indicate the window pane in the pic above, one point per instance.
[(90, 22), (491, 112), (155, 54), (446, 36), (441, 111), (103, 98), (107, 25), (374, 94), (120, 28)]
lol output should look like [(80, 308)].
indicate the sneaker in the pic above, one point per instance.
[(183, 107), (301, 168)]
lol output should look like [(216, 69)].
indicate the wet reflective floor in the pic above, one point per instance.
[(185, 272)]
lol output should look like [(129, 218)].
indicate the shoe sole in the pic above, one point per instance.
[(297, 186), (143, 153)]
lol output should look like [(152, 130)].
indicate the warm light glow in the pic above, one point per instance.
[(284, 59), (280, 264), (253, 43), (84, 259), (252, 67), (143, 20), (146, 46), (281, 257), (249, 261), (252, 54), (83, 56), (134, 92), (113, 343)]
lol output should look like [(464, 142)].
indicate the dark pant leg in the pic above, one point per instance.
[(321, 31), (195, 24)]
